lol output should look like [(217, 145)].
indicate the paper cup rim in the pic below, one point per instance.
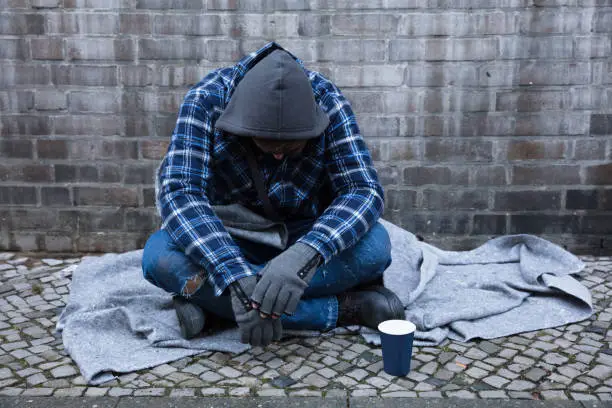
[(397, 327)]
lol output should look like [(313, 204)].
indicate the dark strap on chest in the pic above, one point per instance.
[(268, 208)]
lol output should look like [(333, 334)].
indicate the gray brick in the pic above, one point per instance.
[(88, 75), (372, 126), (16, 101), (50, 100), (57, 243), (554, 73), (603, 22), (43, 4), (141, 220), (140, 174), (499, 73), (52, 149), (12, 48), (98, 4), (601, 124), (369, 75), (101, 220), (527, 200), (536, 47), (597, 224), (55, 196), (581, 199), (153, 149), (488, 175), (598, 174), (460, 199), (438, 74), (588, 149), (29, 173), (194, 24), (550, 123), (546, 175), (554, 21), (25, 125), (388, 175), (136, 75), (453, 49), (456, 24), (24, 75), (536, 150), (351, 50), (98, 23), (61, 23), (469, 101), (532, 101), (592, 47), (365, 102), (47, 48), (477, 124), (106, 196), (171, 4), (21, 24), (314, 25), (460, 151), (487, 224), (364, 24), (351, 4), (134, 23), (100, 49), (17, 195), (98, 101), (436, 175), (87, 125), (171, 48), (401, 102), (544, 224), (16, 149)]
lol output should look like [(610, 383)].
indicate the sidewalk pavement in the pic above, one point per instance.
[(568, 366), (284, 402)]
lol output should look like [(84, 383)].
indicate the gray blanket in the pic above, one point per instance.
[(117, 322)]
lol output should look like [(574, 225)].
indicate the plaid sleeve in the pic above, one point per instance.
[(359, 197), (186, 212)]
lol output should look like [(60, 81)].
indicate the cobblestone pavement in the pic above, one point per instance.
[(570, 362)]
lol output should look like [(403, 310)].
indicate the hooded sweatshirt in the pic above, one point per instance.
[(333, 182)]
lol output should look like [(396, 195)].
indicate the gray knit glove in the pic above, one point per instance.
[(285, 278), (254, 329)]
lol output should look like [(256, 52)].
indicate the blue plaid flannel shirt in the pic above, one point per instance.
[(204, 166)]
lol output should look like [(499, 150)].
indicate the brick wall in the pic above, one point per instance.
[(484, 117)]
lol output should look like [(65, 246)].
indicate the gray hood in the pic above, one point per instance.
[(274, 100)]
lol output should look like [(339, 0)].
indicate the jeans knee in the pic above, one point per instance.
[(152, 262), (376, 249)]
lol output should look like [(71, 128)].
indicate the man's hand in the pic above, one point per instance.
[(254, 329), (284, 280)]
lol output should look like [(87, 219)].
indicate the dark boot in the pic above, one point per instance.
[(191, 317), (368, 307)]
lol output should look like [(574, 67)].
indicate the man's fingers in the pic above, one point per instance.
[(292, 303), (260, 290), (269, 299), (281, 303)]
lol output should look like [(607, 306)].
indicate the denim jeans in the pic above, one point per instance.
[(166, 266)]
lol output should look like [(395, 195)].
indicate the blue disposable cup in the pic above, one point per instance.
[(396, 337)]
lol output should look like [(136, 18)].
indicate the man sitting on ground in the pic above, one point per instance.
[(283, 142)]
